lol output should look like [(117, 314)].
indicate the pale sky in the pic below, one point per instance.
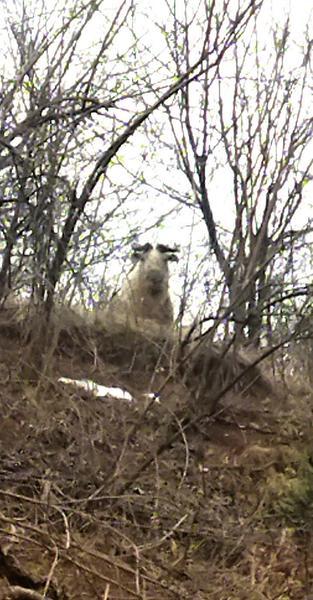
[(187, 227)]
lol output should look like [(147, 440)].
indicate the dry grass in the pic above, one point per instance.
[(104, 499)]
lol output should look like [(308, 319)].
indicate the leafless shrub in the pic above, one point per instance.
[(210, 368)]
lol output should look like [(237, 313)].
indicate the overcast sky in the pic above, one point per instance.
[(187, 226)]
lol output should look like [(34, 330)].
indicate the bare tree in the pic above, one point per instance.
[(50, 107), (253, 121)]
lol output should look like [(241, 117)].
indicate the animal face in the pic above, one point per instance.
[(143, 252), (153, 265)]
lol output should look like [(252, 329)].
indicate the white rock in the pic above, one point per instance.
[(101, 391)]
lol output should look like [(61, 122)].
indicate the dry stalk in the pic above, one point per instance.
[(19, 593), (52, 569)]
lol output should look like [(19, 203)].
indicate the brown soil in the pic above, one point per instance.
[(103, 499)]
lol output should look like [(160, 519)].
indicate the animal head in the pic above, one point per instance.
[(152, 264)]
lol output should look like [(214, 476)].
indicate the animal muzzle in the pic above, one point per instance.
[(155, 281)]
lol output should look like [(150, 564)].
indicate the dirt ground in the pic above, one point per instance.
[(102, 498)]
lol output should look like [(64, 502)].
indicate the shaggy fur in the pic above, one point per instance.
[(144, 297)]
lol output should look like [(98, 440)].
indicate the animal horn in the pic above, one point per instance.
[(162, 248), (141, 248)]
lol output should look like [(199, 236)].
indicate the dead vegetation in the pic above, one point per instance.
[(175, 495)]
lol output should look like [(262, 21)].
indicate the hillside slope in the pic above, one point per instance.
[(104, 498)]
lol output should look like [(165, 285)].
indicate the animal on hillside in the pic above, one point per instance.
[(144, 296)]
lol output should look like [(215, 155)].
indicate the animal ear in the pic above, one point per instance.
[(168, 251), (172, 257), (139, 251)]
